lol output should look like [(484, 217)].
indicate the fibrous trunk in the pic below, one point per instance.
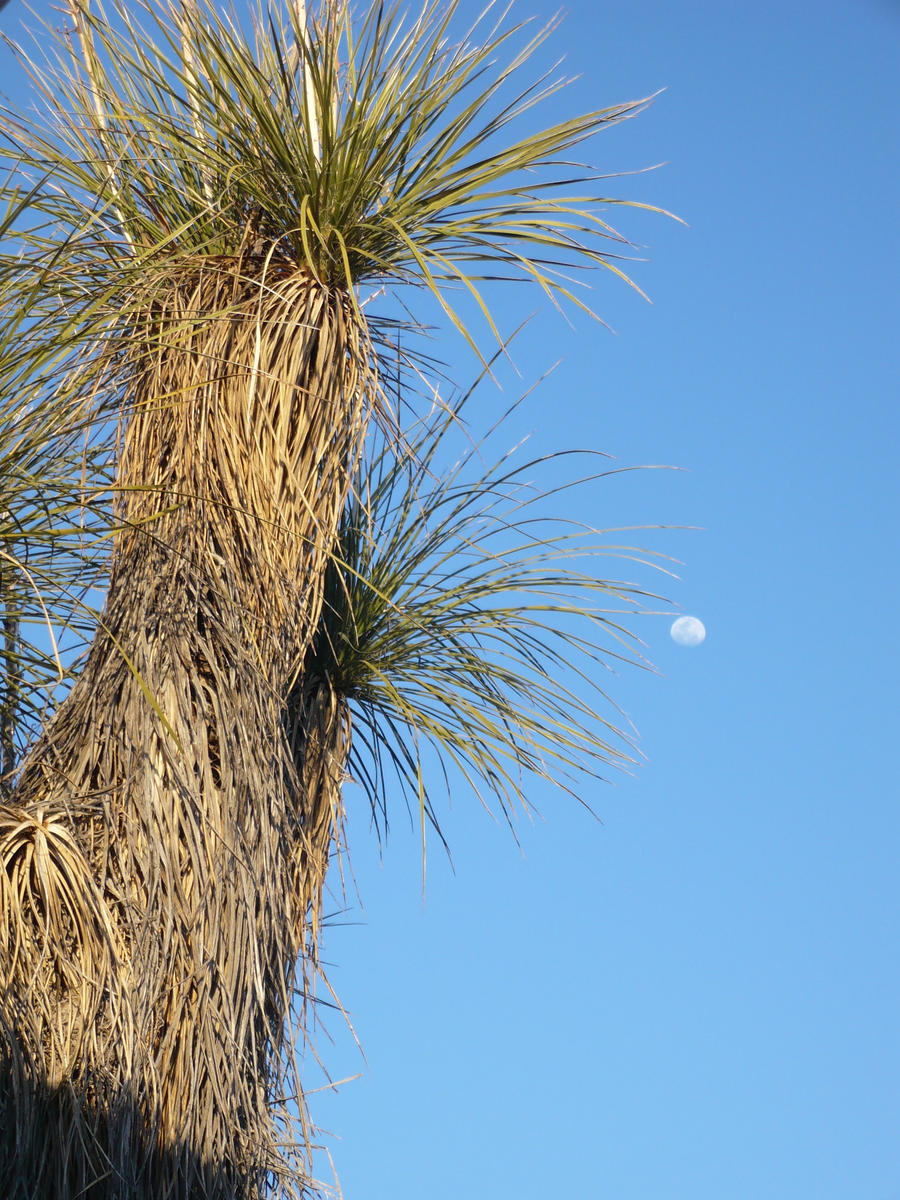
[(165, 846)]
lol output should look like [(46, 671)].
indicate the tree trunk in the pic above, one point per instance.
[(166, 844)]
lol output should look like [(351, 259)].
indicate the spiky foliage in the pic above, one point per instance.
[(461, 610), (54, 513), (467, 618), (206, 206)]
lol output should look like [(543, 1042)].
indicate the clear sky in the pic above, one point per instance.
[(697, 998)]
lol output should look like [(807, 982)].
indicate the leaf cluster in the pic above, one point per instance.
[(471, 624), (378, 148), (54, 508)]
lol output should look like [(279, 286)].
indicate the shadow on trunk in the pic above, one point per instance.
[(59, 1142)]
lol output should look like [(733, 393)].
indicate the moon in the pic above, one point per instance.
[(688, 631)]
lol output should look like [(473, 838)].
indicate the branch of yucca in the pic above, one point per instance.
[(166, 765), (208, 206)]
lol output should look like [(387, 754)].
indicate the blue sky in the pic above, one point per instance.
[(696, 998)]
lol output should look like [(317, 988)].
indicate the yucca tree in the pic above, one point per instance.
[(210, 206)]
